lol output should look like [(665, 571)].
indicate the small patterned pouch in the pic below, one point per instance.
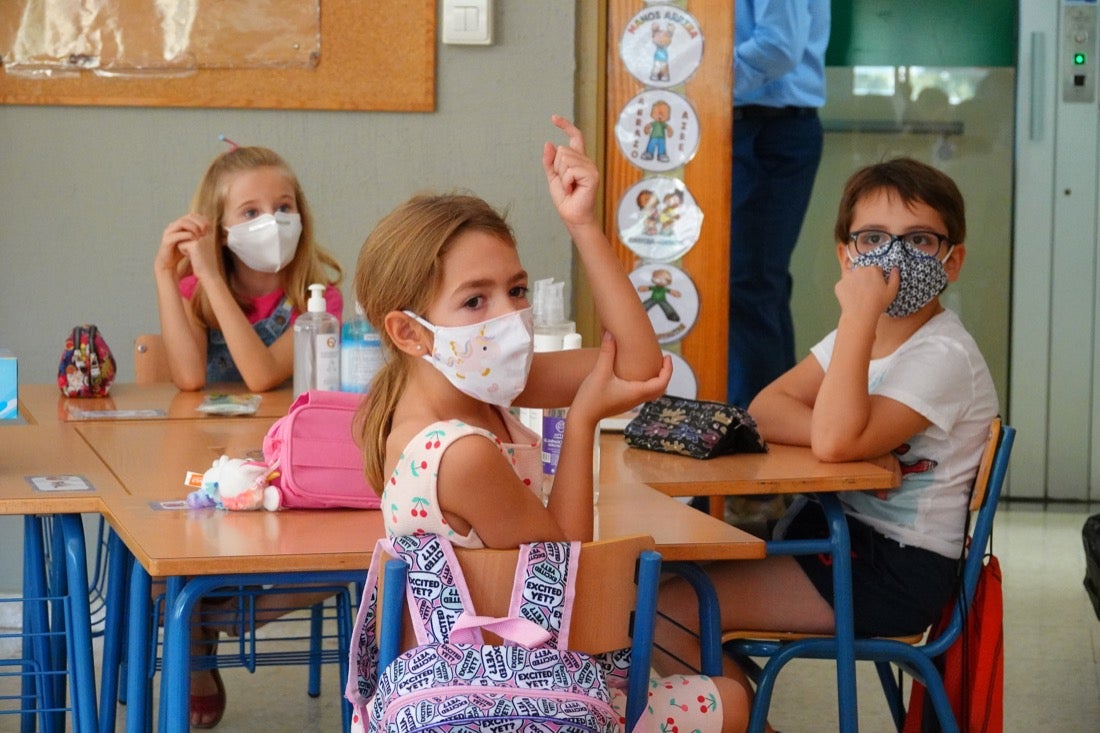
[(694, 428)]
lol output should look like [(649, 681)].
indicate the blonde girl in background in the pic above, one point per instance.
[(232, 274), (232, 277)]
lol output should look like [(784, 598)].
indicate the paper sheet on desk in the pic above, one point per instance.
[(230, 404), (76, 413)]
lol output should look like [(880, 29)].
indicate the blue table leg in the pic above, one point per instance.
[(79, 637), (114, 631), (843, 611), (138, 677)]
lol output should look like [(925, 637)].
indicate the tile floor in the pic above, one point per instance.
[(1052, 650), (1052, 639)]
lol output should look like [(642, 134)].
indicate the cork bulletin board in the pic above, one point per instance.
[(377, 56)]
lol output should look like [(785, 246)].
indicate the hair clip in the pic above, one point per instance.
[(232, 145)]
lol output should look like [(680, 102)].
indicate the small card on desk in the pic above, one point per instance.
[(59, 482)]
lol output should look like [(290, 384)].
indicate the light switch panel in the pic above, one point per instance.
[(467, 22)]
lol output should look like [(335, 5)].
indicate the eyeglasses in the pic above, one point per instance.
[(867, 241)]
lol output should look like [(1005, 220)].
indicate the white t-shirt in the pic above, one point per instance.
[(939, 373)]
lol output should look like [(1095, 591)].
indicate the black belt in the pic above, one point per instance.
[(760, 112)]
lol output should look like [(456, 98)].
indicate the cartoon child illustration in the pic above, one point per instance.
[(658, 130), (668, 215), (659, 291), (662, 39), (647, 206)]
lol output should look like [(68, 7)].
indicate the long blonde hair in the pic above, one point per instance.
[(311, 263), (400, 268)]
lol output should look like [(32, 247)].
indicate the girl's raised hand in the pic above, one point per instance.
[(602, 394), (572, 176), (183, 231)]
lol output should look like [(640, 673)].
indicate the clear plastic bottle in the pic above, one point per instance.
[(548, 314), (553, 431), (316, 346), (360, 353)]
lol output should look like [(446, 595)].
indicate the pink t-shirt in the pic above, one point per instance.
[(264, 305)]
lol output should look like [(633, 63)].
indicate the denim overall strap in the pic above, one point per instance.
[(219, 362)]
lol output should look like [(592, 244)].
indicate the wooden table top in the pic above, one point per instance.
[(784, 469), (50, 450), (151, 458), (45, 403)]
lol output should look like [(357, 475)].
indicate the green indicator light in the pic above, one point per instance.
[(1078, 59)]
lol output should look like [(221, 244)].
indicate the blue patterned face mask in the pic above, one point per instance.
[(922, 276)]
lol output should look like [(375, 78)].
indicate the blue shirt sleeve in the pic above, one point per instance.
[(779, 52)]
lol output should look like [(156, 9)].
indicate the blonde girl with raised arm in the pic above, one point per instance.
[(441, 280)]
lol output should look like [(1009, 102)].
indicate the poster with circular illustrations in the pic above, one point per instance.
[(661, 46), (658, 219), (670, 299), (683, 382), (658, 131)]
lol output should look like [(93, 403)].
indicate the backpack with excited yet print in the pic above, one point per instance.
[(453, 681), (87, 367)]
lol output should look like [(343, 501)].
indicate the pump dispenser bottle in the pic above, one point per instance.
[(360, 353), (548, 314), (316, 346)]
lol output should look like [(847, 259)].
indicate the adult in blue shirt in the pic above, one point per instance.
[(779, 84)]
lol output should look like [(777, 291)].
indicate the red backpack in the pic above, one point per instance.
[(972, 667), (314, 449)]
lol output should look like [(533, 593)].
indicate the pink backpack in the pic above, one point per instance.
[(315, 451)]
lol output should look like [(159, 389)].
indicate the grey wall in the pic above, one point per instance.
[(85, 192)]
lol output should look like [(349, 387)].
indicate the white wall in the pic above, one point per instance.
[(85, 192)]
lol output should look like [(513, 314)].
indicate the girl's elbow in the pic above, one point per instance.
[(189, 383), (830, 450), (261, 384)]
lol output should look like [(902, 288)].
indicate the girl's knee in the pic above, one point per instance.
[(736, 704)]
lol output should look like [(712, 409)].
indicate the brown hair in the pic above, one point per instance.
[(913, 182), (400, 268), (311, 263)]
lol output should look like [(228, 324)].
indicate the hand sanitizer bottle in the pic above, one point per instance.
[(316, 346), (360, 353), (548, 311), (553, 431)]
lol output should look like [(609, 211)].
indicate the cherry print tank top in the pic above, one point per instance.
[(409, 501)]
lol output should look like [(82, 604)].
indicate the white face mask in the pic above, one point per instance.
[(489, 360), (268, 242)]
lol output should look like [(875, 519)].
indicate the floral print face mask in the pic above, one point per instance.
[(922, 277)]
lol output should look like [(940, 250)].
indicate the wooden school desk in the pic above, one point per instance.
[(40, 450), (784, 469), (214, 548)]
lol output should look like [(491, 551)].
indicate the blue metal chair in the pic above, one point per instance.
[(912, 655), (55, 637), (614, 608)]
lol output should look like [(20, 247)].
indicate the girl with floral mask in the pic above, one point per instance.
[(232, 274), (441, 281)]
